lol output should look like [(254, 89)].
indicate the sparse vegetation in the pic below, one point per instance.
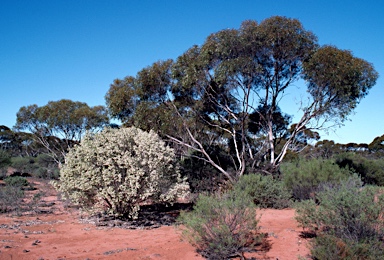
[(218, 105)]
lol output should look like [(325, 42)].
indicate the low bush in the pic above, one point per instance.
[(51, 173), (117, 170), (302, 177), (265, 191), (5, 158), (3, 173), (222, 226), (348, 220), (24, 164), (16, 181), (41, 166), (45, 161), (371, 171), (11, 198)]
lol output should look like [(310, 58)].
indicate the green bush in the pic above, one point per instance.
[(117, 170), (52, 173), (303, 177), (11, 198), (45, 161), (348, 221), (42, 166), (3, 173), (16, 181), (265, 191), (24, 164), (222, 226), (371, 171), (5, 158)]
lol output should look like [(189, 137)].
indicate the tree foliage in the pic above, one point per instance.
[(117, 170), (60, 124), (227, 92)]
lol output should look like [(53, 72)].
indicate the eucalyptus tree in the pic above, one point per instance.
[(143, 101), (228, 91), (377, 145), (18, 143), (59, 125)]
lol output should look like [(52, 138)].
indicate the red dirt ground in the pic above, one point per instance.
[(63, 235)]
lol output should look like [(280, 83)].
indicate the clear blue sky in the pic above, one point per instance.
[(74, 49)]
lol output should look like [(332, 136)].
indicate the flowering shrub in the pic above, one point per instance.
[(117, 170)]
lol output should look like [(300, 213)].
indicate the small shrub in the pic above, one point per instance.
[(24, 164), (117, 170), (47, 173), (5, 158), (11, 198), (16, 181), (348, 221), (265, 191), (3, 173), (222, 226), (45, 161), (303, 177)]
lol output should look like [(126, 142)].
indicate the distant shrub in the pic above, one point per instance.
[(3, 173), (222, 226), (47, 173), (348, 221), (11, 198), (16, 181), (45, 161), (24, 164), (265, 191), (117, 170), (371, 171), (302, 177), (5, 158)]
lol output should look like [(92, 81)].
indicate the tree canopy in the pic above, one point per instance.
[(60, 124), (226, 93)]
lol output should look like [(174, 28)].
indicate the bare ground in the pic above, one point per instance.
[(60, 232)]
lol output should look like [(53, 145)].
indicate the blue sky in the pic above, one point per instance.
[(50, 50)]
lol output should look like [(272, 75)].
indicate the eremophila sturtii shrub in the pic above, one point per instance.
[(117, 170)]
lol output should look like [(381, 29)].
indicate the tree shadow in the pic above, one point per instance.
[(307, 234), (150, 216)]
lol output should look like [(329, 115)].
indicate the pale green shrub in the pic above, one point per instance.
[(348, 221), (11, 199), (222, 226), (265, 191), (117, 170), (303, 177)]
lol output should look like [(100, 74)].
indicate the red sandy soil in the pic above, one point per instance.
[(63, 234)]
